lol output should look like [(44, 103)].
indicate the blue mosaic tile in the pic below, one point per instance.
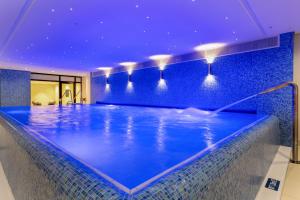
[(236, 76), (14, 88)]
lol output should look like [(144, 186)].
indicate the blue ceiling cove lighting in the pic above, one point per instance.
[(81, 35)]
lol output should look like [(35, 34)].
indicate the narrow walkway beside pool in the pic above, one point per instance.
[(5, 191), (291, 188)]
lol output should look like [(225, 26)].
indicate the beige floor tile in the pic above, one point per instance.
[(291, 189), (5, 191), (287, 197)]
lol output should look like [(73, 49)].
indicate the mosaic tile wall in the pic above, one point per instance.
[(233, 171), (235, 77), (14, 88)]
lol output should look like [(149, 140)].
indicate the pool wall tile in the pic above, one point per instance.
[(14, 88), (187, 85), (44, 172), (234, 170)]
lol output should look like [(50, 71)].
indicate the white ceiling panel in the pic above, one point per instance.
[(83, 35)]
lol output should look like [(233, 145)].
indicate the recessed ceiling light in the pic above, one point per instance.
[(210, 46)]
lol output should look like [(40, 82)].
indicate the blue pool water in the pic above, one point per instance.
[(129, 145)]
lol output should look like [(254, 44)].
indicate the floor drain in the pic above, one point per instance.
[(272, 184)]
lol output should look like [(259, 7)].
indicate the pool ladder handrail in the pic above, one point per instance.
[(295, 145)]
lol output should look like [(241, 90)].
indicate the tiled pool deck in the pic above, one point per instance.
[(37, 170)]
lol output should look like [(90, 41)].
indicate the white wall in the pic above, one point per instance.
[(86, 88)]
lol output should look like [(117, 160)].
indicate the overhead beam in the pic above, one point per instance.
[(252, 15), (18, 21)]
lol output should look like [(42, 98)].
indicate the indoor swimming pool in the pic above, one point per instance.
[(130, 147)]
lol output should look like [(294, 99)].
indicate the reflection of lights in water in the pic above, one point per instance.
[(129, 134), (129, 87), (107, 88), (210, 81), (161, 135), (107, 126), (162, 84), (208, 136)]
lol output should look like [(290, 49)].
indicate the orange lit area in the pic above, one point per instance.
[(44, 93)]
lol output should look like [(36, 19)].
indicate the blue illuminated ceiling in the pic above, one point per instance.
[(83, 35)]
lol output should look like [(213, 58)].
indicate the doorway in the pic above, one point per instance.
[(51, 89)]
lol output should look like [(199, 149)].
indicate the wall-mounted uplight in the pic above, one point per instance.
[(210, 52), (210, 61), (161, 60), (130, 67), (107, 71)]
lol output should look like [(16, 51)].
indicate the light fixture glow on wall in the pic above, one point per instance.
[(210, 52), (107, 71), (209, 46), (130, 67), (209, 61), (161, 60)]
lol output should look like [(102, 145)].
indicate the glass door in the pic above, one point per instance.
[(78, 94), (67, 93)]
